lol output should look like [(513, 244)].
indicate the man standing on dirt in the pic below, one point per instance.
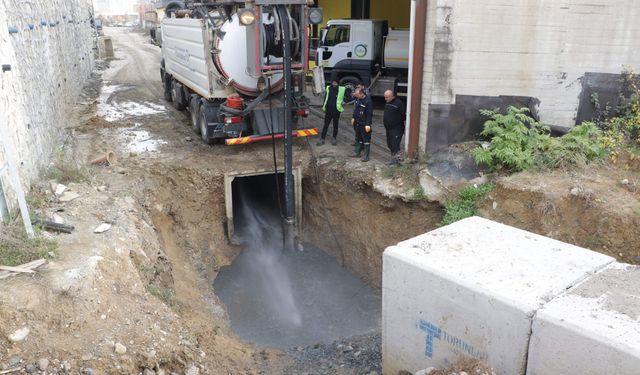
[(393, 120), (361, 121), (333, 101)]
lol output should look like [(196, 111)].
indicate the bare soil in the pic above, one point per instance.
[(146, 284), (596, 207)]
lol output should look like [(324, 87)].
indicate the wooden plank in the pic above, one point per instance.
[(6, 271), (16, 269), (8, 371)]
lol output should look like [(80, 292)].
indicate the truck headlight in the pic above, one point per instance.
[(246, 17), (315, 16)]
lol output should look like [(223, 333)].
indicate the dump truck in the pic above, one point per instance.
[(365, 51), (226, 63)]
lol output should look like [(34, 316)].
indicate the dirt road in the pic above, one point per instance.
[(138, 298)]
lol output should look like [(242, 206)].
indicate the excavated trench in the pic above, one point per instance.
[(323, 287), (279, 294)]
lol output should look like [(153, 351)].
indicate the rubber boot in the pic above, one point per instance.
[(320, 143), (357, 150), (367, 148), (334, 141)]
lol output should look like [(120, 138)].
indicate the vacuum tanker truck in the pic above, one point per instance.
[(225, 62), (365, 51)]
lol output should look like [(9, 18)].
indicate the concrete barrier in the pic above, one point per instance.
[(471, 289), (592, 329)]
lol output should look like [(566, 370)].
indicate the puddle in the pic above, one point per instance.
[(282, 297), (327, 302), (112, 109), (134, 139), (140, 141)]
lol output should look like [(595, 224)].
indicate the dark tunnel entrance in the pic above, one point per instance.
[(279, 295), (258, 190)]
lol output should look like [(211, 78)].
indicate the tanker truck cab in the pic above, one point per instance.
[(365, 51)]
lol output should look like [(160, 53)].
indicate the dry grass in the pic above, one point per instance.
[(17, 248)]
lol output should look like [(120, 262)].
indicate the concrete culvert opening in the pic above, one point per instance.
[(282, 295)]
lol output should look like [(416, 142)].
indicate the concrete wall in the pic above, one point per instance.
[(534, 48), (523, 303), (593, 329), (49, 64), (471, 290)]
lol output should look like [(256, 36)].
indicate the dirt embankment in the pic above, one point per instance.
[(597, 207), (346, 217)]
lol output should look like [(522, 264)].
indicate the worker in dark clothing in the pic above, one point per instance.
[(362, 119), (352, 100), (333, 107), (394, 118)]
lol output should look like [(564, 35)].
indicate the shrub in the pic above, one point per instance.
[(581, 145), (465, 205), (515, 139), (518, 142)]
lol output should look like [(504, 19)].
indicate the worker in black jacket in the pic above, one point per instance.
[(362, 119), (393, 120)]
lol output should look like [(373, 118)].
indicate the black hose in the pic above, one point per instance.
[(288, 141)]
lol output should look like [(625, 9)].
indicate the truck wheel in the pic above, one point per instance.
[(194, 108), (350, 82), (166, 85), (176, 95), (204, 121)]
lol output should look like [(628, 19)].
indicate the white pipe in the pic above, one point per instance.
[(15, 179), (412, 25)]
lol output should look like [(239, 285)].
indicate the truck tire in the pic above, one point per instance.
[(177, 95), (208, 114), (204, 120), (194, 108), (350, 82), (166, 85)]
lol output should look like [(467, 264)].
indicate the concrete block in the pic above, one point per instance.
[(592, 329), (471, 289)]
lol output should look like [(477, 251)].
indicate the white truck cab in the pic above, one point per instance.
[(364, 51)]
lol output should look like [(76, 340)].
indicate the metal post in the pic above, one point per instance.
[(15, 179), (288, 126)]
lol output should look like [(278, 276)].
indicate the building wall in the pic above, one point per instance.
[(532, 48), (49, 66), (397, 12), (335, 9)]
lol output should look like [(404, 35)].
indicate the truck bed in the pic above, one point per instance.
[(185, 52)]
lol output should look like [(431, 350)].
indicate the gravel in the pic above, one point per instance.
[(359, 355)]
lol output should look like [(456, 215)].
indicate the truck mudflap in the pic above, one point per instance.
[(256, 138)]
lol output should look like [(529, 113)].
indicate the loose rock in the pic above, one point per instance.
[(43, 363), (68, 196), (102, 228), (30, 369), (120, 349), (60, 189), (19, 335), (193, 371), (58, 219)]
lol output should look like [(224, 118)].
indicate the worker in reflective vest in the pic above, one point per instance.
[(333, 107)]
